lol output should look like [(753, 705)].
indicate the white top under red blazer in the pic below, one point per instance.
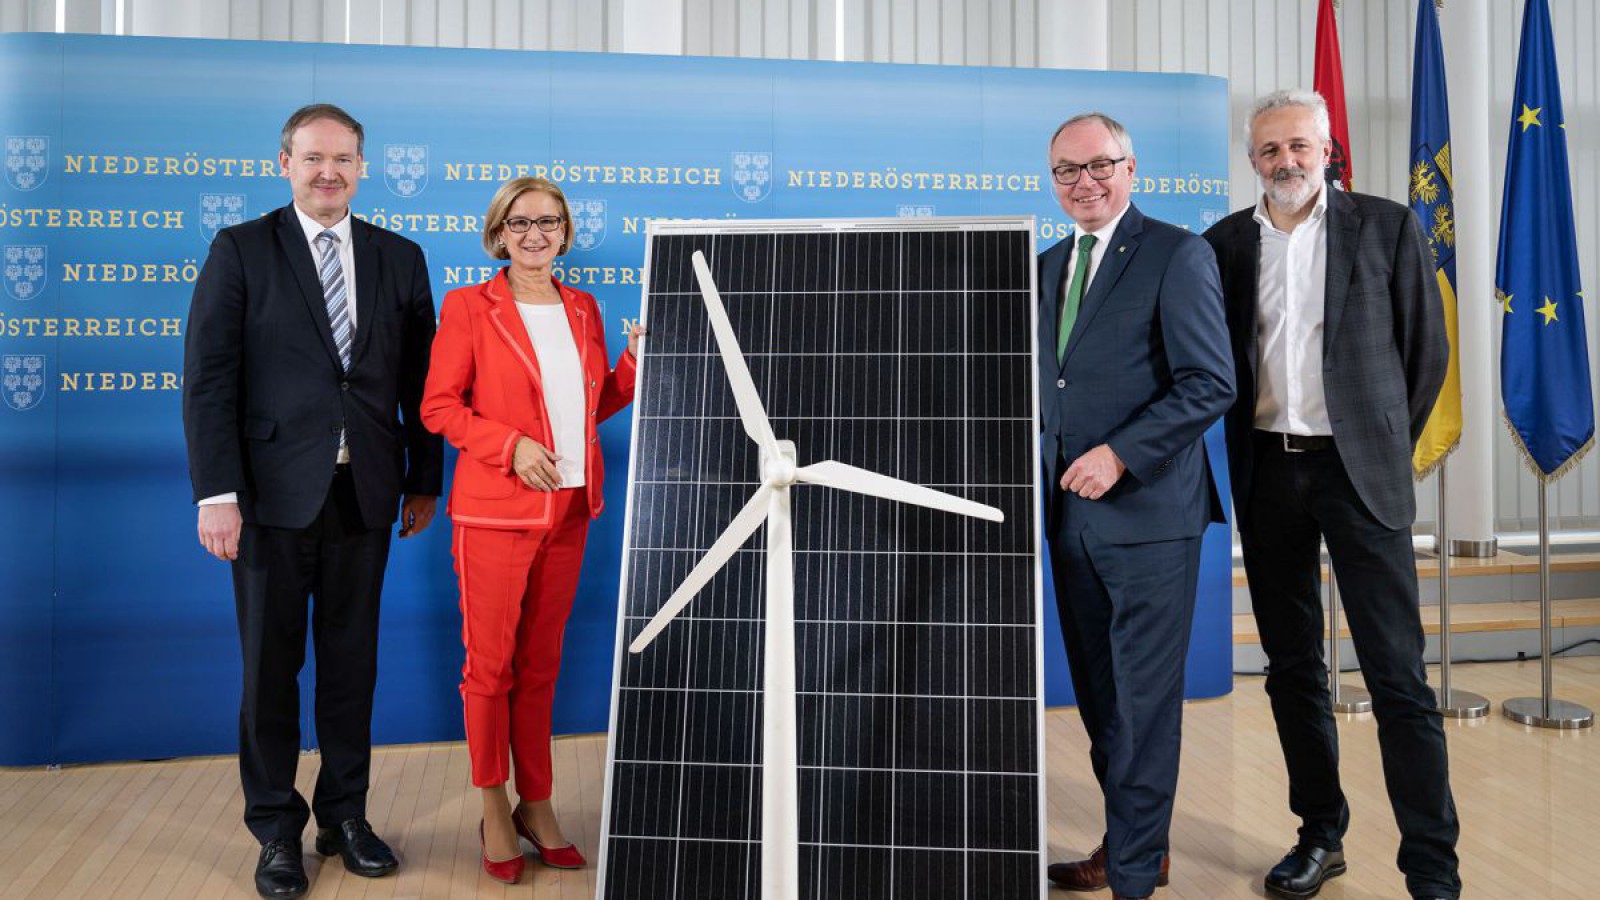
[(484, 391)]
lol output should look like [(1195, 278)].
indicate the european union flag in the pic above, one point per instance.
[(1433, 201), (1544, 359)]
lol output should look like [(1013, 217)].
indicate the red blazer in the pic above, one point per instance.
[(484, 392)]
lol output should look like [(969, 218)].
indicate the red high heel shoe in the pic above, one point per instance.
[(505, 871), (567, 857)]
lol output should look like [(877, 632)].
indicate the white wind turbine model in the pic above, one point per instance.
[(780, 818)]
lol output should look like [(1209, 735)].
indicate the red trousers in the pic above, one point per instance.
[(516, 592)]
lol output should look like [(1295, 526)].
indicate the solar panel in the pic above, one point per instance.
[(899, 347)]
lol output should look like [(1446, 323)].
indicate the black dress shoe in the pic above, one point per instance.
[(1302, 872), (363, 852), (280, 873)]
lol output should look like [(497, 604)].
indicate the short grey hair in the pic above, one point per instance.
[(1120, 134), (1310, 100)]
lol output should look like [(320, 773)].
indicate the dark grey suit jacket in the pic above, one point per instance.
[(1147, 372), (265, 396), (1384, 349)]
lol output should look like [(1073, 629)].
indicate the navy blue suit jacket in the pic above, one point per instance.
[(265, 396), (1147, 370)]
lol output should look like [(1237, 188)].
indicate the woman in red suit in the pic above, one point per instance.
[(519, 380)]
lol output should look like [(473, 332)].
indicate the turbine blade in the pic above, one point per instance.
[(733, 537), (829, 473), (751, 412)]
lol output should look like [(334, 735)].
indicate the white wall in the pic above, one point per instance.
[(1259, 45)]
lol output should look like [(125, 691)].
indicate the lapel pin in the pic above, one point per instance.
[(1122, 248)]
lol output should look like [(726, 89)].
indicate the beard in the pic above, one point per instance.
[(1291, 187)]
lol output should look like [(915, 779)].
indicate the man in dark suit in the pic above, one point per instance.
[(1133, 368), (304, 362), (1339, 342)]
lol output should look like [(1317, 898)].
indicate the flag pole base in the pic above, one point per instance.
[(1474, 549), (1463, 705), (1560, 714), (1352, 700)]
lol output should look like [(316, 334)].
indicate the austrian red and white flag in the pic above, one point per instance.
[(1328, 81)]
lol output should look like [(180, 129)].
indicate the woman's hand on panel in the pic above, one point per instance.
[(636, 330)]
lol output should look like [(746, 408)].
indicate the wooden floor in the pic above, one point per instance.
[(1529, 802)]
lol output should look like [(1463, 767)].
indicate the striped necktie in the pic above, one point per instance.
[(331, 273)]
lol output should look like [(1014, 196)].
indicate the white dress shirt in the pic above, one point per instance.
[(1102, 241), (1291, 288), (562, 374), (347, 261)]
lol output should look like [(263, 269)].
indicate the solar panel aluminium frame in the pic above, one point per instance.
[(758, 227)]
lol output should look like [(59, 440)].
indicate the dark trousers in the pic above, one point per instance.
[(1297, 500), (340, 562), (1126, 612)]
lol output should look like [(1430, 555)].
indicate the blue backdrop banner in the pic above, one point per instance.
[(124, 156)]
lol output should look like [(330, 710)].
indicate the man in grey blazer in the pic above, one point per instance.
[(1133, 368), (1339, 343)]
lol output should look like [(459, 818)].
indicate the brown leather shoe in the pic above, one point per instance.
[(1090, 874)]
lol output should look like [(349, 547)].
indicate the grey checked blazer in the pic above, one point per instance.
[(1384, 349)]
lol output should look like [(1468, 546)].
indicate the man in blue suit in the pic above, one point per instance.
[(1134, 366)]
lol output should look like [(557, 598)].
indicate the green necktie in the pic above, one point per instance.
[(1069, 309)]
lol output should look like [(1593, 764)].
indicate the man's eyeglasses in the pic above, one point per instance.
[(521, 224), (1067, 174)]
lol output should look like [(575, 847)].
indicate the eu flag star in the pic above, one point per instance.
[(1548, 310), (1530, 116), (1505, 301)]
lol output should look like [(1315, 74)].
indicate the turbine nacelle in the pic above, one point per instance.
[(778, 469)]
